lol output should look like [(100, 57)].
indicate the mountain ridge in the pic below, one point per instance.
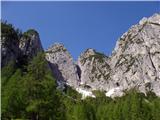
[(134, 62), (112, 73)]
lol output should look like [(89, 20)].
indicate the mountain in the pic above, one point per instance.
[(17, 47), (39, 84), (62, 65), (134, 63)]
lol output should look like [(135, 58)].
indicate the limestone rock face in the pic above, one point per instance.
[(62, 65), (30, 43), (95, 69), (135, 62)]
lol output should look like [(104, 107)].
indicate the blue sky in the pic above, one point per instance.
[(78, 25)]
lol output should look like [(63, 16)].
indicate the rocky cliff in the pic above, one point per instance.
[(30, 43), (95, 69), (18, 47), (62, 65), (134, 63)]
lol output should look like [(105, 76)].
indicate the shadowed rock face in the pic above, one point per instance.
[(134, 63), (15, 47), (30, 44)]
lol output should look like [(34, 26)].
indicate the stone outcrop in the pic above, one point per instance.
[(30, 43), (95, 69), (134, 63), (18, 48), (62, 65)]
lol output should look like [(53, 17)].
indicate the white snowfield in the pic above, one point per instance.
[(85, 93)]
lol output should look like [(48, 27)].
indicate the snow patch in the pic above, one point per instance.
[(114, 92), (85, 93)]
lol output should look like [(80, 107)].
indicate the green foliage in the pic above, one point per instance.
[(31, 95), (10, 34), (132, 106), (12, 98), (70, 92), (29, 32), (98, 93), (29, 91), (7, 72), (98, 56)]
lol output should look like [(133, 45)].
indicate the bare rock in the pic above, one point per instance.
[(95, 69), (62, 65), (30, 43), (136, 59)]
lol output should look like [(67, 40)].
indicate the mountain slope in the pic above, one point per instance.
[(62, 65), (29, 90), (134, 63)]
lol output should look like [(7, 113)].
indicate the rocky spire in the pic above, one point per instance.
[(62, 65), (95, 69), (134, 63), (30, 43)]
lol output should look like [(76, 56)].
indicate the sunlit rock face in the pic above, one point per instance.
[(95, 69), (62, 65), (134, 63)]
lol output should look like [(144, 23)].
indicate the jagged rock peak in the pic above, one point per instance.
[(62, 65), (155, 19), (92, 55), (89, 51), (30, 43), (136, 57), (57, 47), (95, 69), (134, 62), (137, 30)]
